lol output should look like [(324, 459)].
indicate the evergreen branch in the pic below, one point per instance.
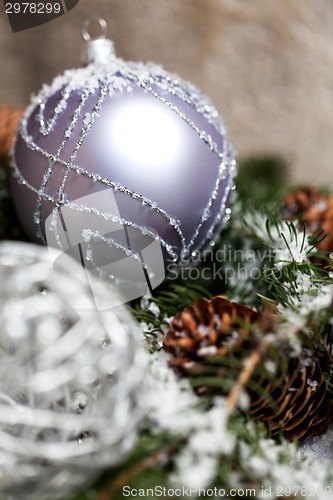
[(169, 300), (126, 477)]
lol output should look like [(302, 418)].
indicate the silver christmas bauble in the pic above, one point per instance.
[(154, 141)]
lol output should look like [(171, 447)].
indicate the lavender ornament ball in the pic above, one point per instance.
[(135, 129)]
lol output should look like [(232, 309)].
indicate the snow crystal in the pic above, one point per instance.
[(208, 350), (204, 330), (153, 308), (204, 448), (193, 471), (312, 383), (289, 245)]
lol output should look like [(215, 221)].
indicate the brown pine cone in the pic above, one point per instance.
[(298, 202), (313, 208), (299, 404), (9, 120), (206, 326), (210, 341)]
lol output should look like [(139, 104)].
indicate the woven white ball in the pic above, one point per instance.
[(70, 377)]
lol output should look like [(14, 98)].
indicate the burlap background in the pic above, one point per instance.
[(266, 64)]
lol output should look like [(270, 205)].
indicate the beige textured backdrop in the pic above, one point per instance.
[(266, 64)]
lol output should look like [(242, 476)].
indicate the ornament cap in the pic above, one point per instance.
[(100, 49)]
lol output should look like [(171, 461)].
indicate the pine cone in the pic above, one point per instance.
[(9, 119), (209, 343), (313, 208)]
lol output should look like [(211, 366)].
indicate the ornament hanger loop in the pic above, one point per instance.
[(87, 25)]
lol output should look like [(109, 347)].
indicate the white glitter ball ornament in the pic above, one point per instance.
[(133, 128), (70, 377)]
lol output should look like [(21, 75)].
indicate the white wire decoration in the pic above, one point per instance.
[(70, 377)]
